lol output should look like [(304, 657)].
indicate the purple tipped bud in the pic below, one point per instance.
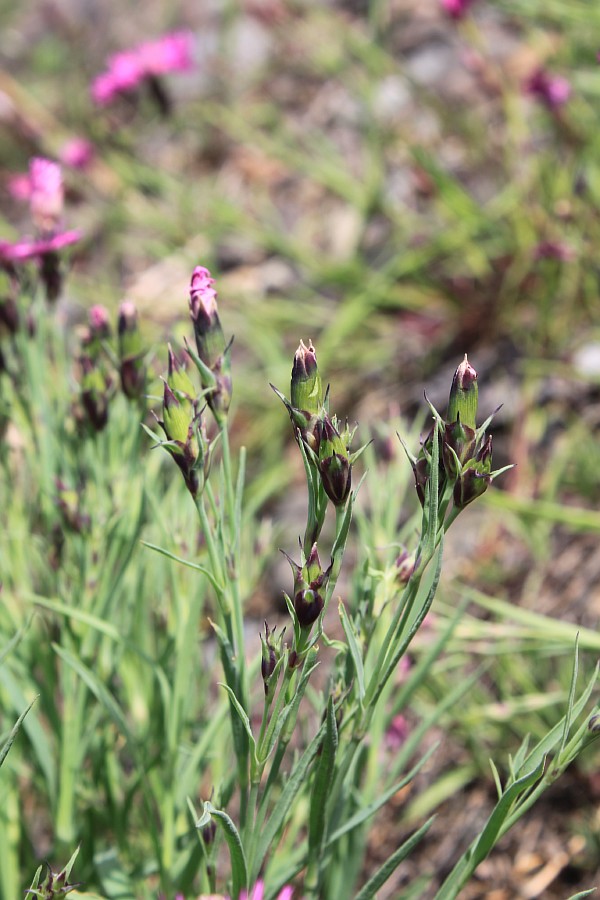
[(99, 322), (334, 463), (210, 342), (462, 404), (306, 391), (132, 369), (272, 649)]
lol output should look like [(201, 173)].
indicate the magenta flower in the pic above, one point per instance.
[(258, 891), (203, 297), (32, 248), (456, 9), (397, 732), (128, 70), (170, 53), (47, 193), (551, 90), (77, 153), (19, 187)]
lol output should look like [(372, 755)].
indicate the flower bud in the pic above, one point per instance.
[(306, 391), (458, 444), (215, 366), (462, 404), (309, 580), (95, 390), (334, 462), (132, 370), (475, 477), (272, 650), (182, 423)]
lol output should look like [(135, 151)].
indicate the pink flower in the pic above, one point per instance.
[(257, 892), (202, 294), (170, 53), (46, 199), (551, 90), (126, 71), (19, 187), (77, 153), (397, 732), (456, 9), (99, 320), (35, 248)]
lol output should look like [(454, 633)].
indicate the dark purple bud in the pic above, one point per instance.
[(334, 463), (308, 605)]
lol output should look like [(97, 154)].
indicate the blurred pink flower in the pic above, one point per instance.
[(551, 90), (397, 732), (19, 186), (33, 248), (170, 53), (77, 153), (46, 199), (456, 9), (257, 892), (126, 71)]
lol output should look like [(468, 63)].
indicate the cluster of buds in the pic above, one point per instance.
[(309, 583), (272, 652), (184, 428), (54, 885), (466, 451), (213, 359), (98, 361), (326, 444)]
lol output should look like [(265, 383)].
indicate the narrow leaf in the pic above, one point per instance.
[(388, 868), (354, 651), (14, 731)]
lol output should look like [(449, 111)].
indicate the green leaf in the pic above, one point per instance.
[(243, 717), (239, 870), (389, 867), (354, 651), (571, 700), (14, 731), (323, 783), (296, 780), (186, 562), (367, 811)]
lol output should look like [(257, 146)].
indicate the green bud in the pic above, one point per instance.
[(462, 404), (306, 391), (176, 416), (475, 477), (309, 580)]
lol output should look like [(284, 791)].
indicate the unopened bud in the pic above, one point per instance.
[(334, 463), (462, 404), (306, 392), (132, 369), (210, 343)]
